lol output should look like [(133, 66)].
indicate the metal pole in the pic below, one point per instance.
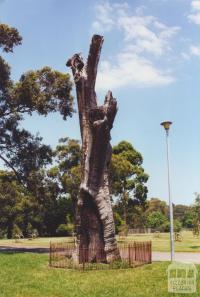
[(170, 200)]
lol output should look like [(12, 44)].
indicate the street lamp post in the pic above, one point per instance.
[(166, 126)]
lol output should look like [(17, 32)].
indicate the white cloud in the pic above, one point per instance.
[(143, 37), (140, 10), (195, 4), (130, 69), (185, 56), (104, 22), (106, 14), (147, 34), (194, 17), (195, 50)]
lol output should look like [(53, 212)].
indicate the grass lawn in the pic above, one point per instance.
[(38, 242), (27, 274), (189, 243)]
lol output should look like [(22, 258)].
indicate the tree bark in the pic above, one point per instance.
[(95, 223)]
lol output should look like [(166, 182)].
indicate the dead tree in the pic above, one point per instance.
[(95, 224)]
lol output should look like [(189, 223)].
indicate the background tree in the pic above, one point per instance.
[(31, 197), (196, 215), (156, 219), (68, 158), (155, 204), (184, 214), (13, 199), (44, 210), (66, 174), (40, 91), (128, 180), (157, 208)]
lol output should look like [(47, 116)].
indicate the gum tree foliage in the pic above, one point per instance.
[(155, 204), (29, 197), (11, 201), (42, 91), (184, 214), (44, 210), (128, 180), (196, 214), (156, 219), (66, 173)]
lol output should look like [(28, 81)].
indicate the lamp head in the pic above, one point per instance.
[(166, 125)]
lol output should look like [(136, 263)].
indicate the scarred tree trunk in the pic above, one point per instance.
[(95, 224)]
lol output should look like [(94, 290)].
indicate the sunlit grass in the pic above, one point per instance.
[(37, 242), (188, 244), (23, 275)]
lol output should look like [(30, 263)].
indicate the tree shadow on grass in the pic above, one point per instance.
[(195, 247), (13, 250)]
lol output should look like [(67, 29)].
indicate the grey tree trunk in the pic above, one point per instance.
[(95, 223)]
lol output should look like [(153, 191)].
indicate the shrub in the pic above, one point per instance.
[(65, 229), (123, 229), (16, 232), (177, 226), (166, 226), (155, 219)]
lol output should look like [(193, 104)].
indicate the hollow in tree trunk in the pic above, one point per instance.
[(95, 223)]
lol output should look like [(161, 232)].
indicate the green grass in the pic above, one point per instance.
[(189, 243), (23, 275), (38, 242)]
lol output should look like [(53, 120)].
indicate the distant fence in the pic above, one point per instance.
[(143, 230), (65, 255), (140, 230)]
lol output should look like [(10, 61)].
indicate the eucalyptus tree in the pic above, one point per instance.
[(128, 180), (41, 91)]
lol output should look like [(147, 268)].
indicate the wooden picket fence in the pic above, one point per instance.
[(67, 255)]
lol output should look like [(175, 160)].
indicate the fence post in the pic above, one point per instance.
[(150, 248), (129, 255), (50, 251), (59, 253), (135, 248), (83, 253)]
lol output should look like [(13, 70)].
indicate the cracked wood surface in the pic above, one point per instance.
[(95, 223)]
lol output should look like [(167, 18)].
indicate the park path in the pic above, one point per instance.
[(179, 256), (156, 256)]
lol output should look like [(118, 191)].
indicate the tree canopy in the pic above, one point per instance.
[(40, 189), (41, 91), (128, 178)]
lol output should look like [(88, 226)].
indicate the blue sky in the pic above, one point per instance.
[(150, 60)]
